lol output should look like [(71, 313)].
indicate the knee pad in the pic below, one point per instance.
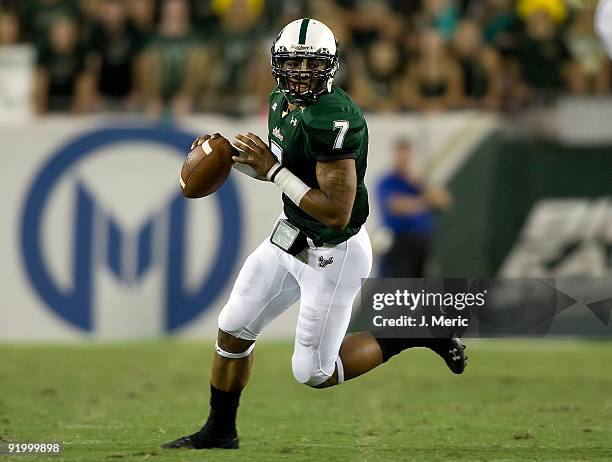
[(306, 369), (233, 321), (226, 354)]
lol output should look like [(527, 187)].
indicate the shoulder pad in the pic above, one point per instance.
[(273, 94)]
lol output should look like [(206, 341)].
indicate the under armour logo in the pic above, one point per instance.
[(455, 354), (324, 262), (274, 106), (293, 121)]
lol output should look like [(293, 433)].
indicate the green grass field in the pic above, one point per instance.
[(517, 401)]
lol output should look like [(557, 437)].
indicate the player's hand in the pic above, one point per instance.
[(200, 139), (258, 154)]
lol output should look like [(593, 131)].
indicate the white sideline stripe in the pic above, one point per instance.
[(206, 147)]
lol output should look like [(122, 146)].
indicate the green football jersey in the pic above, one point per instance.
[(331, 128)]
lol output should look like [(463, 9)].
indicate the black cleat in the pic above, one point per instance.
[(452, 351), (203, 440)]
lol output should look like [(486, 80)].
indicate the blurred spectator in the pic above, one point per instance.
[(543, 57), (591, 69), (556, 10), (326, 11), (9, 28), (434, 80), (351, 63), (142, 15), (500, 24), (240, 59), (441, 15), (39, 15), (172, 62), (377, 86), (369, 20), (404, 8), (480, 67), (406, 203), (60, 79), (213, 55), (113, 52), (90, 9), (202, 16), (279, 13)]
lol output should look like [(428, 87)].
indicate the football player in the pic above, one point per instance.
[(319, 250)]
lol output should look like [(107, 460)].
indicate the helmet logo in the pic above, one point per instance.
[(298, 48)]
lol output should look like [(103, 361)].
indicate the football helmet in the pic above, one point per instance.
[(310, 40)]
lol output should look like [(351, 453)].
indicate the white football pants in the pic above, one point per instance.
[(271, 280)]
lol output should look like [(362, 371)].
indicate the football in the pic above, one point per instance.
[(207, 167)]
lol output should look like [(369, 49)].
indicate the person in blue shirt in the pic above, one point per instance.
[(407, 203)]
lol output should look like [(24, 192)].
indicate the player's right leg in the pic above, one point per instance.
[(363, 351), (263, 290), (323, 356)]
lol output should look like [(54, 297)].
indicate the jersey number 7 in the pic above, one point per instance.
[(343, 125)]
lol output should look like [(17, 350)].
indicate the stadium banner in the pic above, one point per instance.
[(96, 240), (528, 208)]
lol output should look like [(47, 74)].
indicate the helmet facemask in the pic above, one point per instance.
[(299, 85)]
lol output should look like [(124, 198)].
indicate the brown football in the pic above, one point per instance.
[(207, 167)]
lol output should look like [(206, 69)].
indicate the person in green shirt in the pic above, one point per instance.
[(319, 250), (172, 62), (40, 15), (61, 79)]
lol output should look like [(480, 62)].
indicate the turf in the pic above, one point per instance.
[(517, 401)]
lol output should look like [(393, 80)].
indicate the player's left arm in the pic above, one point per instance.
[(335, 137)]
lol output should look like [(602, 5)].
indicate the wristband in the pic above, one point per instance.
[(273, 171), (291, 185), (273, 176)]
